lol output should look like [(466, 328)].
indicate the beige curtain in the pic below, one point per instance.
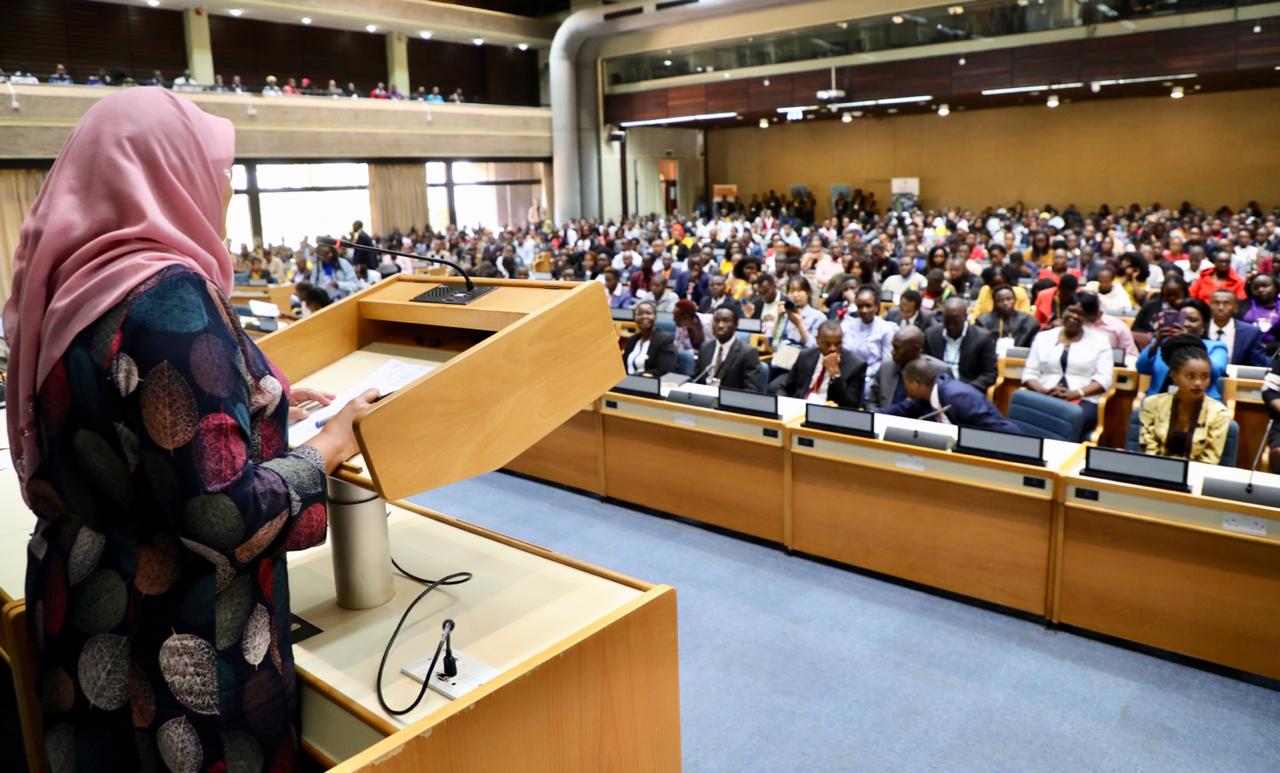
[(18, 191), (397, 197)]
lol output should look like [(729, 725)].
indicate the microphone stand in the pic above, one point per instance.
[(444, 293)]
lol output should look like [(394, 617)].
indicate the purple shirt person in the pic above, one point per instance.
[(1263, 310)]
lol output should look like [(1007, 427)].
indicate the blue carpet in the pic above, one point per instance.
[(789, 664)]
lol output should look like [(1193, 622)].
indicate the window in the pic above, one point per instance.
[(298, 176), (239, 222), (288, 217)]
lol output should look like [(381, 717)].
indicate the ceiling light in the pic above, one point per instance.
[(963, 61), (1095, 87), (153, 3), (1257, 28), (235, 12), (797, 109), (1052, 101), (846, 118), (897, 19), (1031, 89), (728, 75), (425, 34), (764, 123), (678, 119), (844, 25), (370, 28), (666, 62), (523, 46), (892, 111), (1024, 3), (766, 83), (478, 41), (944, 110), (306, 19), (1176, 92), (955, 10), (699, 69)]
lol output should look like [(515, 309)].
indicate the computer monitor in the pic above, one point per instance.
[(640, 386), (1139, 469), (1007, 446), (749, 325), (623, 315), (846, 421), (748, 402)]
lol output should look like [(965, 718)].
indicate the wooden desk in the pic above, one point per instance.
[(720, 468), (572, 644), (279, 294), (1165, 569), (975, 526), (1252, 415), (572, 455)]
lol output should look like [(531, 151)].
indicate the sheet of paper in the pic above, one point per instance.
[(264, 309), (391, 376)]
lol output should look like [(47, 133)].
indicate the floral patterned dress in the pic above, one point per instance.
[(157, 590)]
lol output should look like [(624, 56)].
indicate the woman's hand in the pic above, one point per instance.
[(337, 441), (300, 397)]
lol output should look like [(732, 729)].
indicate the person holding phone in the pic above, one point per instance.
[(1190, 317)]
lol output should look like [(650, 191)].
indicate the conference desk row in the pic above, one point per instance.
[(1177, 571)]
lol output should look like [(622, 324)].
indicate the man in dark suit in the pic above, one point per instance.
[(728, 361), (651, 351), (907, 312), (825, 373), (1244, 338), (1004, 321), (716, 297), (950, 400), (368, 257), (969, 350), (887, 389)]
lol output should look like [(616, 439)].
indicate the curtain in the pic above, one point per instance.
[(397, 197), (18, 191)]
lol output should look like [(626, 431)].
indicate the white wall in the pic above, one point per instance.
[(645, 147)]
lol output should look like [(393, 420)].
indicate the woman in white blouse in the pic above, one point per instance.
[(1072, 362)]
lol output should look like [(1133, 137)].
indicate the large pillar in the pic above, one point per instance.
[(195, 23), (398, 62)]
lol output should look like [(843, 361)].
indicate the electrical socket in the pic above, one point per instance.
[(472, 673)]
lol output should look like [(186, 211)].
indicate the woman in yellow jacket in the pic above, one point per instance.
[(1186, 423)]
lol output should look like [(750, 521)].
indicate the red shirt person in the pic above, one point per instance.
[(1219, 276)]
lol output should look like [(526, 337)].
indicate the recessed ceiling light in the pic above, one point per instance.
[(523, 46), (963, 61), (1257, 28), (1176, 92), (153, 3), (1052, 101), (846, 118), (425, 34), (235, 12), (728, 75), (766, 83), (666, 62), (897, 19), (478, 41), (370, 28), (892, 110), (764, 123), (944, 110), (844, 25), (306, 19)]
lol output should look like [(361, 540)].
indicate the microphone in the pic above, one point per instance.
[(931, 414), (440, 294), (450, 666), (1257, 456), (698, 378)]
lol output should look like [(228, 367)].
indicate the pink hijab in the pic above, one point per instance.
[(138, 186)]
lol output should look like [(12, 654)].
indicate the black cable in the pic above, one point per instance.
[(457, 578)]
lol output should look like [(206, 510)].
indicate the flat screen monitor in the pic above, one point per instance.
[(640, 386), (843, 420), (748, 402), (623, 315), (748, 325), (1117, 356), (1140, 469), (1007, 446)]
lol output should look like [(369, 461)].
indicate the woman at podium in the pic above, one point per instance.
[(149, 436)]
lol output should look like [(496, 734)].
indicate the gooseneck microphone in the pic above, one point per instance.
[(1257, 457), (441, 294)]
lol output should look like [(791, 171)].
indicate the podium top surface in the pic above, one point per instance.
[(517, 605)]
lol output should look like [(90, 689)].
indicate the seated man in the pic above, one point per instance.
[(968, 350), (949, 401), (1117, 332), (717, 296), (826, 373), (1006, 322), (1243, 340), (728, 361), (907, 312), (886, 386), (659, 294)]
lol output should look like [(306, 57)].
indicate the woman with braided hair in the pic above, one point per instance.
[(1186, 422)]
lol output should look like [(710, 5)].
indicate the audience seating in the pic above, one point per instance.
[(1230, 451), (1046, 417)]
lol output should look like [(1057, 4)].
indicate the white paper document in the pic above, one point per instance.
[(391, 376), (264, 309)]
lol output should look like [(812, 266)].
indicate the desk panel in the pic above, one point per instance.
[(569, 456), (727, 481), (1251, 414), (1209, 595), (984, 543)]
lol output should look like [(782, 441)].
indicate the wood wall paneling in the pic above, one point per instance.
[(983, 70), (1196, 49), (868, 82), (1260, 49), (767, 99), (647, 105), (1048, 64), (94, 32), (727, 96), (923, 76), (687, 100), (157, 41), (511, 76), (1126, 56), (255, 49), (806, 85)]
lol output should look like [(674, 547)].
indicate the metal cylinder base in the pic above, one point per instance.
[(360, 546)]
